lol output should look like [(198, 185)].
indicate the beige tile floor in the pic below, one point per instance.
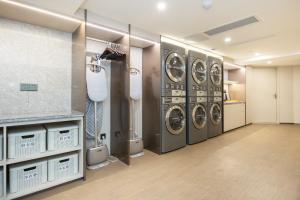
[(258, 162)]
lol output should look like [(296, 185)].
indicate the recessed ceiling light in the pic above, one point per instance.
[(257, 54), (161, 6), (269, 62), (207, 4), (227, 40)]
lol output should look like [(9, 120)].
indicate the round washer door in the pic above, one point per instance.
[(199, 69), (216, 74), (175, 67), (215, 113), (199, 116), (175, 120)]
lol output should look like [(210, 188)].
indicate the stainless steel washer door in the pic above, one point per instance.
[(215, 113), (216, 74), (199, 71), (199, 116), (175, 67), (175, 120)]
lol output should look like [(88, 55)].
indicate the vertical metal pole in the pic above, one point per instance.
[(133, 120), (5, 166), (95, 124)]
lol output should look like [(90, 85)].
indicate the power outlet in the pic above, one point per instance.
[(28, 87)]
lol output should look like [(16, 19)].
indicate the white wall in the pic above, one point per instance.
[(285, 94), (225, 75), (136, 61), (226, 79), (33, 54), (296, 94), (249, 95)]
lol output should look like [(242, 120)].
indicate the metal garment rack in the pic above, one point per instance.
[(5, 124)]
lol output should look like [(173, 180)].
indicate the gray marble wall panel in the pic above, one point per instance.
[(33, 54)]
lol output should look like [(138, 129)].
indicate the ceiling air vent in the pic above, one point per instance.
[(231, 26)]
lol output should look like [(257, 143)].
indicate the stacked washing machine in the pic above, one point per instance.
[(173, 97), (197, 115), (182, 98), (215, 97)]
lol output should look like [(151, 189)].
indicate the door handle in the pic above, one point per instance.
[(275, 96)]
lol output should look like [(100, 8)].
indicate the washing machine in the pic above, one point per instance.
[(215, 76), (196, 74), (197, 118), (215, 116), (173, 73), (173, 123)]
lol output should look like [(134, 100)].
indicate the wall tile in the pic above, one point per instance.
[(33, 54)]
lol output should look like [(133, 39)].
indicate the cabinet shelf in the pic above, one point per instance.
[(7, 123), (42, 155)]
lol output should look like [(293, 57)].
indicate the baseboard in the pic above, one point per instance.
[(236, 128)]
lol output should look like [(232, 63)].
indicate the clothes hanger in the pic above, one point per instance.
[(134, 71), (96, 64), (113, 52)]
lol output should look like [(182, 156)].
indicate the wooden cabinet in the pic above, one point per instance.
[(234, 116)]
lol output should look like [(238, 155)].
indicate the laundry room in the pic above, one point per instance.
[(129, 100)]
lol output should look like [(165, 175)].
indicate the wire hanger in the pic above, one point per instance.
[(113, 51), (134, 70), (97, 63)]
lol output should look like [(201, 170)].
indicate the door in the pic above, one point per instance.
[(120, 106), (199, 71), (264, 95), (199, 116), (175, 120), (175, 67), (216, 74), (215, 114)]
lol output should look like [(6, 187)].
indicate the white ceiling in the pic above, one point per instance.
[(277, 32), (68, 7)]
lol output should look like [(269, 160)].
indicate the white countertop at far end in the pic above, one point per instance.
[(237, 102)]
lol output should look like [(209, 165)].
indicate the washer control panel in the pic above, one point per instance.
[(175, 90), (201, 100), (173, 100)]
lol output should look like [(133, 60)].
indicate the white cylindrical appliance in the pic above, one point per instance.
[(136, 142), (97, 92)]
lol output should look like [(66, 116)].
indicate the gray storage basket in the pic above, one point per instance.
[(24, 177), (62, 136), (63, 167), (26, 141)]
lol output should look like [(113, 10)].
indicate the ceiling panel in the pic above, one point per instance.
[(277, 32), (185, 18), (62, 6)]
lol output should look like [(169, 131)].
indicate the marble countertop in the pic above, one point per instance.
[(38, 117)]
